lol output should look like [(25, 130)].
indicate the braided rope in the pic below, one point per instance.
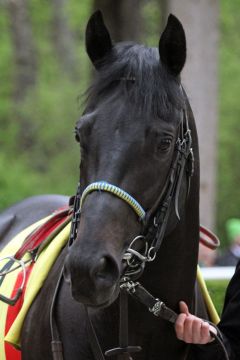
[(104, 186)]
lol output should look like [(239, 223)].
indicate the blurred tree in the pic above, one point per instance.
[(152, 21), (200, 77), (122, 17), (228, 201), (62, 38), (23, 46)]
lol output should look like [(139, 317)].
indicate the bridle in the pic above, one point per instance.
[(154, 223)]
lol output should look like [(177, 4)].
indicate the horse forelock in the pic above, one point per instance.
[(135, 73)]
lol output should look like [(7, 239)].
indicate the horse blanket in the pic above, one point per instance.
[(12, 317)]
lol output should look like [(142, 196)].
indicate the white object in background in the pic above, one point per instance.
[(218, 272)]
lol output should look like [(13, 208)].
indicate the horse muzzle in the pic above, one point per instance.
[(94, 280)]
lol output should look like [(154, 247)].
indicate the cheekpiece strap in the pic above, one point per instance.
[(118, 192)]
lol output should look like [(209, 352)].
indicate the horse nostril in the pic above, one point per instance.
[(100, 267), (105, 269)]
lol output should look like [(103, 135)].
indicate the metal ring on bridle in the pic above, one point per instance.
[(151, 254), (131, 254)]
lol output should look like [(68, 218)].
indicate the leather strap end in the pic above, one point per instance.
[(57, 350)]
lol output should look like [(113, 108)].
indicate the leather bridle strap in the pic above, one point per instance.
[(56, 344), (154, 305), (124, 350)]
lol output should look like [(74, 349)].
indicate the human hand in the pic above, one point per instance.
[(192, 329)]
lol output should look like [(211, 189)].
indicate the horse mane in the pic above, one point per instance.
[(135, 72)]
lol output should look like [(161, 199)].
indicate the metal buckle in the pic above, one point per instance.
[(76, 214), (129, 286), (12, 301), (157, 307)]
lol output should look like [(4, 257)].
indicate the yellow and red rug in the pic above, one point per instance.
[(12, 317)]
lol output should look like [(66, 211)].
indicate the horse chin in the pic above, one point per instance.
[(97, 300)]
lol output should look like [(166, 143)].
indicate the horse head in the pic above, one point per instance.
[(128, 136)]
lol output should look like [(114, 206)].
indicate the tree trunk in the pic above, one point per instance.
[(23, 47), (200, 21), (62, 38), (123, 18)]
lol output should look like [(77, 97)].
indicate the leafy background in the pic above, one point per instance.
[(38, 152)]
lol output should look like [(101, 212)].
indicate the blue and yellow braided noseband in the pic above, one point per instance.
[(104, 186)]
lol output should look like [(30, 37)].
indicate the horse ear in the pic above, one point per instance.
[(98, 40), (172, 46)]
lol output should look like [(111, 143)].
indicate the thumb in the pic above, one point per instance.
[(183, 308)]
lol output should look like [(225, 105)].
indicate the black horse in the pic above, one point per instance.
[(26, 212), (133, 134)]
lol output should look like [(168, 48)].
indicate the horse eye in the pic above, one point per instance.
[(164, 144)]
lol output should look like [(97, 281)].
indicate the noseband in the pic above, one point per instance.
[(105, 186)]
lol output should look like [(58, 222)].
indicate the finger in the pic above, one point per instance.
[(179, 326), (212, 329), (183, 307), (197, 331), (187, 332), (205, 334)]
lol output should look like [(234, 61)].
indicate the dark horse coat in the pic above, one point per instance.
[(128, 136)]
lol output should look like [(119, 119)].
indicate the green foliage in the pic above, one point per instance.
[(217, 289), (51, 113), (229, 109), (14, 187), (38, 150), (151, 13)]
